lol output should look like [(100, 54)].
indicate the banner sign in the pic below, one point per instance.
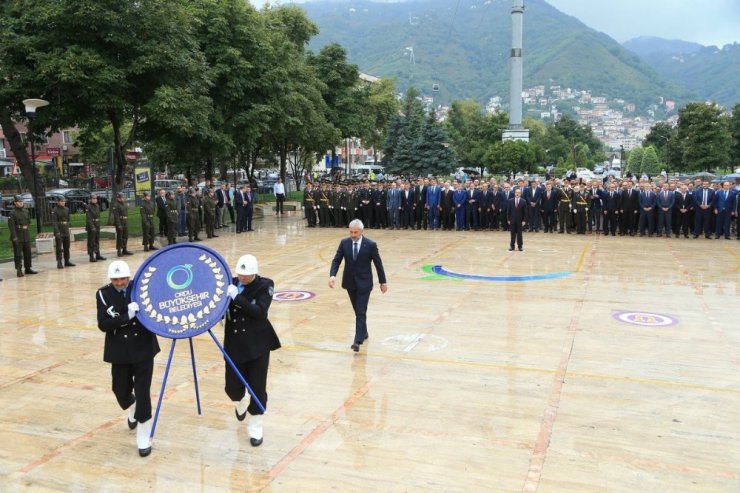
[(143, 179), (181, 290)]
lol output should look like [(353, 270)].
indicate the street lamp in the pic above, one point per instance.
[(621, 157), (31, 106)]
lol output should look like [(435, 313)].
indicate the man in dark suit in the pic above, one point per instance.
[(684, 204), (722, 205), (611, 201), (666, 201), (407, 206), (550, 199), (629, 209), (358, 252), (703, 198), (162, 212), (517, 215)]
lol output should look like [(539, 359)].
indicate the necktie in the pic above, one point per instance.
[(611, 195), (705, 198), (354, 251), (517, 203), (123, 292)]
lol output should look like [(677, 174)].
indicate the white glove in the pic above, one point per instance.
[(232, 291), (133, 307)]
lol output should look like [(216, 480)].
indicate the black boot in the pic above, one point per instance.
[(67, 263), (119, 253), (98, 256), (31, 271), (126, 252), (146, 248), (19, 273), (152, 247), (59, 264), (92, 258)]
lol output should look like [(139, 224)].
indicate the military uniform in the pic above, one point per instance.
[(172, 213), (119, 211), (147, 224), (309, 207), (564, 207), (209, 214), (580, 211), (92, 226), (18, 224), (193, 217), (60, 221), (248, 339)]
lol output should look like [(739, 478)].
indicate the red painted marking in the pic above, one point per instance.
[(539, 454)]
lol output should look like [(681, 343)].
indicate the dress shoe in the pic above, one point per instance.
[(92, 258), (521, 249), (67, 263), (59, 265), (255, 430), (215, 236), (511, 249), (152, 247), (99, 257), (126, 252), (146, 248), (119, 254), (143, 440), (366, 336), (197, 239), (19, 273), (355, 347), (31, 271)]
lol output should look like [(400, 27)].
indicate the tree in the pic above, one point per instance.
[(634, 161), (382, 106), (650, 164), (432, 152), (703, 136), (399, 157), (510, 156), (660, 137), (735, 134)]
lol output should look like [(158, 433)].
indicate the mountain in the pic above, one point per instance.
[(647, 45), (707, 72), (464, 48)]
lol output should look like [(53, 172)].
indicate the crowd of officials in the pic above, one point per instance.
[(643, 207)]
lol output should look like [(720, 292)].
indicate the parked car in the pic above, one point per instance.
[(77, 198), (166, 185)]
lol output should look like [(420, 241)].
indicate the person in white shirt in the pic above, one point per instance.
[(279, 190)]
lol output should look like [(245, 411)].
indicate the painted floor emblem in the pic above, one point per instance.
[(290, 295), (437, 272), (645, 319)]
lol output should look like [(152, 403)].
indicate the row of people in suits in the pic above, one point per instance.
[(428, 204)]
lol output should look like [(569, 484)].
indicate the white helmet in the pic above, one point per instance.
[(246, 266), (118, 269)]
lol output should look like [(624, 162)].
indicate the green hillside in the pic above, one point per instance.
[(465, 49), (709, 73)]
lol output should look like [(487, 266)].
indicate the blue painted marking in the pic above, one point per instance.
[(438, 269)]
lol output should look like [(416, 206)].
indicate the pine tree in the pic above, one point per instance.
[(650, 164)]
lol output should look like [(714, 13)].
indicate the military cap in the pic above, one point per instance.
[(18, 198), (145, 193)]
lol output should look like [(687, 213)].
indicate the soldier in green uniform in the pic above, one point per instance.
[(564, 206), (172, 214), (18, 223), (309, 205), (119, 211), (92, 226), (60, 221), (209, 213), (580, 209), (147, 221), (193, 206)]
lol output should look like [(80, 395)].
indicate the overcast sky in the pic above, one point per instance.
[(709, 22)]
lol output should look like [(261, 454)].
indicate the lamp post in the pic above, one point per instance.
[(621, 157), (31, 106)]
